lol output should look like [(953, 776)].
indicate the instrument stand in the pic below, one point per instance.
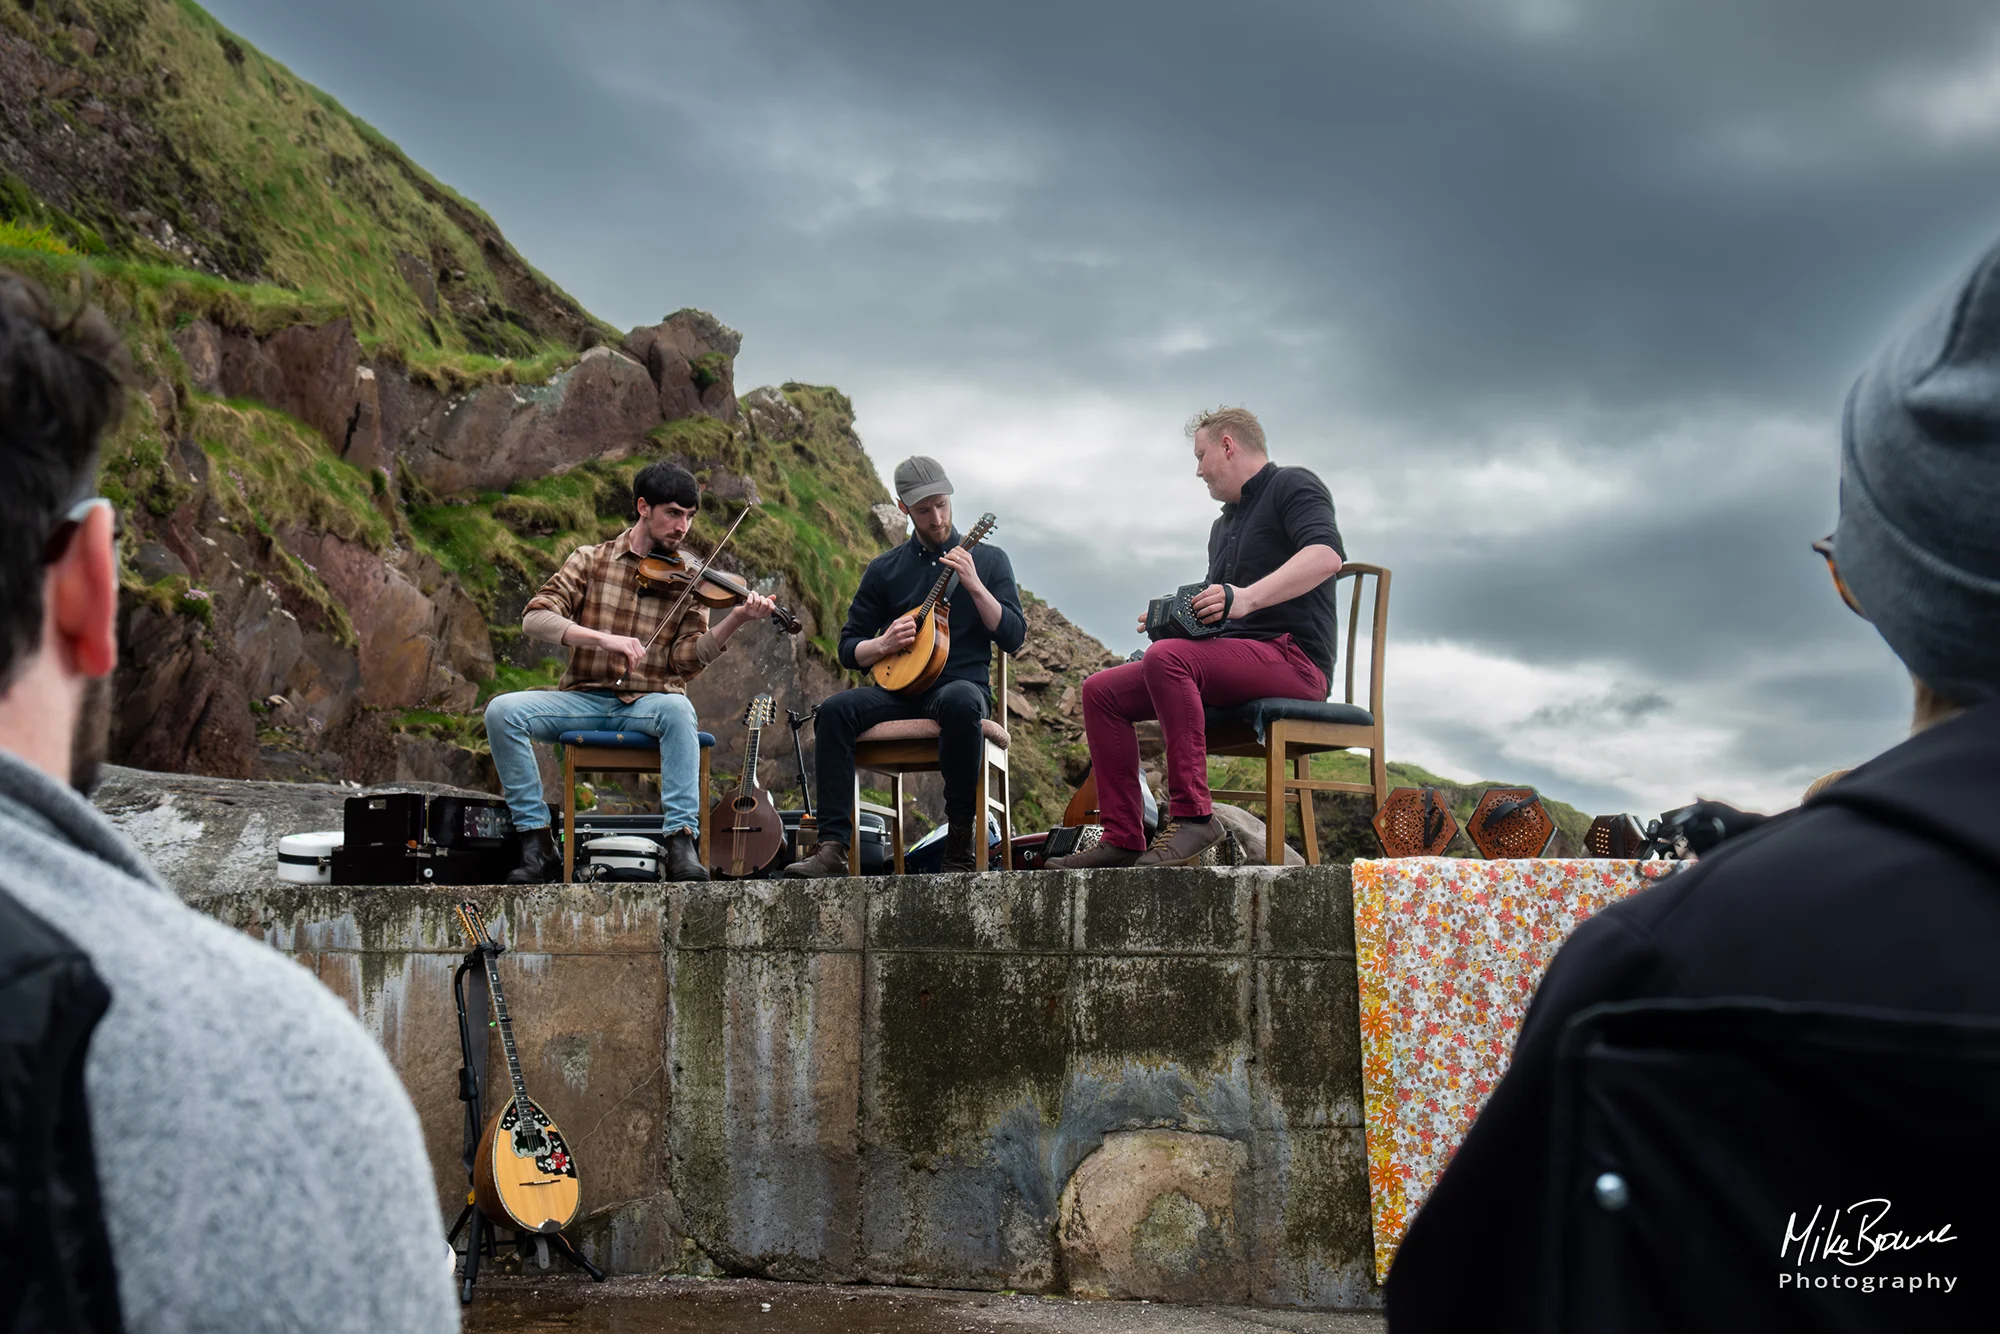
[(483, 1237)]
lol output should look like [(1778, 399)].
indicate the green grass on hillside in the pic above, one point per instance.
[(310, 198)]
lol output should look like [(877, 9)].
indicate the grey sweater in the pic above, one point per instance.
[(262, 1168)]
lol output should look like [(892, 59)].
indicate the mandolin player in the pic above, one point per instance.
[(984, 610), (594, 606)]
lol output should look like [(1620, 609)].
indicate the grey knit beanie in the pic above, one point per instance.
[(1919, 535)]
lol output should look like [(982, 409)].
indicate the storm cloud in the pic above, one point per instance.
[(1561, 299)]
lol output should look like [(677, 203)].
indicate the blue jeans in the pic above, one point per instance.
[(515, 722)]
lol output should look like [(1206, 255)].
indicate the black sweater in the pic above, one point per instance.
[(900, 578)]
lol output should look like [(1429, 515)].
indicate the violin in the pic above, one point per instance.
[(670, 574)]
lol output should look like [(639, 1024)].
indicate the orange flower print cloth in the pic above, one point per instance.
[(1449, 952)]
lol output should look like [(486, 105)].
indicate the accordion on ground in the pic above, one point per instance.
[(1172, 617)]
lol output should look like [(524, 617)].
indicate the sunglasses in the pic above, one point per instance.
[(1825, 548), (70, 524)]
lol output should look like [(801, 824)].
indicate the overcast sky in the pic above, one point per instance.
[(1560, 299)]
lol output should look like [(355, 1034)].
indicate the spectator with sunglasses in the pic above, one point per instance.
[(194, 1133), (1881, 891)]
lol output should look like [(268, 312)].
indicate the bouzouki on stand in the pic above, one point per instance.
[(524, 1176), (913, 670), (746, 829)]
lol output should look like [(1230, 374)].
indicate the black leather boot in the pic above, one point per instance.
[(958, 855), (540, 862), (683, 861)]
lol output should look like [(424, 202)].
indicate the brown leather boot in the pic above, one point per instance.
[(828, 859), (1179, 844), (1094, 857)]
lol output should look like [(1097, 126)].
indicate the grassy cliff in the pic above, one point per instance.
[(142, 130)]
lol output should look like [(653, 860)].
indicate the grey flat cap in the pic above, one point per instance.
[(1919, 535), (919, 478)]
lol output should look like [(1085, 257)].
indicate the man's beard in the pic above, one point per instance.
[(92, 737)]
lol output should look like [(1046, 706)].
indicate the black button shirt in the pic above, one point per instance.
[(899, 579), (1282, 512)]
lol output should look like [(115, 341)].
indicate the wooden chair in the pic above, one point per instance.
[(618, 753), (911, 746), (1285, 733)]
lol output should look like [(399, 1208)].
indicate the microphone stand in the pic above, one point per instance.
[(808, 823)]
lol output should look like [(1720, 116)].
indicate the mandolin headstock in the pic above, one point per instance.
[(760, 712), (987, 523), (473, 923)]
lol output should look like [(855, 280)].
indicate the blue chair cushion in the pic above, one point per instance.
[(622, 740), (1258, 712)]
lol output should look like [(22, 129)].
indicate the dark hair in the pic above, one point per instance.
[(665, 484), (61, 385)]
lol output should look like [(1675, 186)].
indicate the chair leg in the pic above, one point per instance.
[(703, 805), (569, 816), (980, 808), (1006, 812), (854, 833), (1274, 795), (1309, 828), (896, 822), (1378, 771)]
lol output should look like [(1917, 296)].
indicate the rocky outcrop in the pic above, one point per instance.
[(415, 648), (772, 416), (311, 372), (502, 434), (691, 358), (378, 416)]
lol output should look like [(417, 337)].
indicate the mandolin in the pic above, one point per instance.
[(744, 827), (524, 1176), (913, 670)]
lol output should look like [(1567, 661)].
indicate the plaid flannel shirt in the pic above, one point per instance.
[(597, 587)]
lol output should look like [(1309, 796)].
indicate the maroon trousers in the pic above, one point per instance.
[(1173, 683)]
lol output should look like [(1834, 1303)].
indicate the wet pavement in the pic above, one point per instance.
[(548, 1304)]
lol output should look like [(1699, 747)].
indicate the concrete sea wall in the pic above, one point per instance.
[(1122, 1083)]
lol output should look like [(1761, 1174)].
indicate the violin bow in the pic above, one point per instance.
[(680, 603)]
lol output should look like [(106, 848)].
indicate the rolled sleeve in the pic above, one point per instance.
[(1307, 514)]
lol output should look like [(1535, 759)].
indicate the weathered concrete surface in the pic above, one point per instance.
[(211, 836), (586, 988), (563, 1303), (945, 1081)]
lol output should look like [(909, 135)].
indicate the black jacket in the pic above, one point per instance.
[(901, 577), (55, 1260), (1882, 892)]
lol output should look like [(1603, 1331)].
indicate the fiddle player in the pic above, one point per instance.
[(984, 609), (613, 683), (1276, 548)]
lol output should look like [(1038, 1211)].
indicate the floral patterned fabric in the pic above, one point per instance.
[(1449, 952)]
